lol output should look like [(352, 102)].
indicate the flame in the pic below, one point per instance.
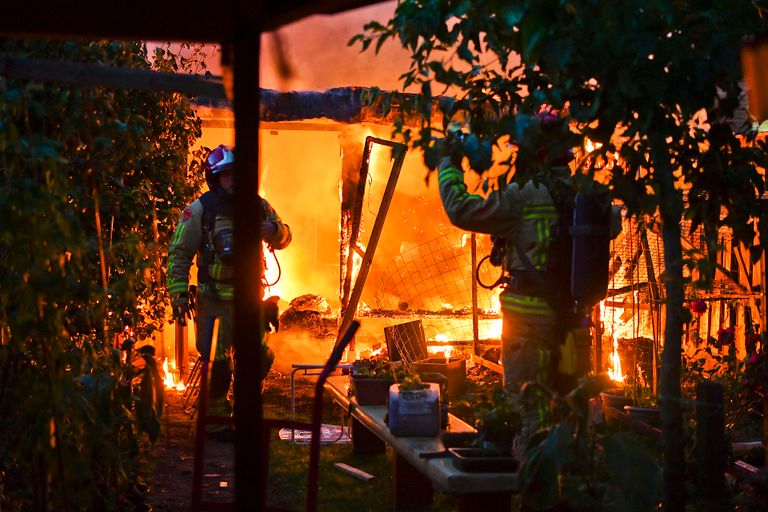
[(445, 348), (357, 261), (465, 238), (590, 146), (447, 306), (170, 380), (493, 331), (615, 372)]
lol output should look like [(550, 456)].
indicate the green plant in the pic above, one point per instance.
[(411, 382), (374, 368), (655, 85), (576, 464), (498, 419), (91, 185)]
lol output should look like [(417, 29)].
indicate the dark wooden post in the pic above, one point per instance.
[(710, 445), (250, 477), (475, 322)]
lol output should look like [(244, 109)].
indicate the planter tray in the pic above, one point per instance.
[(475, 460)]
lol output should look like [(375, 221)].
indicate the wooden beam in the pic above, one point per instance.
[(95, 75), (176, 20), (341, 104)]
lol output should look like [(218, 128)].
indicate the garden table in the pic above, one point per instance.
[(415, 477)]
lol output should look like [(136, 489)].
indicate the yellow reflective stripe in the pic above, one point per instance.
[(175, 288), (177, 234), (448, 173), (227, 292), (526, 305), (214, 270), (538, 216), (539, 208), (462, 195)]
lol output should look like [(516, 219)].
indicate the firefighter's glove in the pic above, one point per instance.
[(182, 308), (454, 142), (271, 314)]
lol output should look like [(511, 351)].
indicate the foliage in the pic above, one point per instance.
[(579, 465), (411, 382), (498, 420), (91, 181), (653, 84), (756, 369), (373, 368)]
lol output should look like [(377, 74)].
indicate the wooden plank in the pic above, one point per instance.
[(353, 471)]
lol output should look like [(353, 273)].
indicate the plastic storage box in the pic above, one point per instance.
[(414, 413)]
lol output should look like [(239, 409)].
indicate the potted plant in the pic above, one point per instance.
[(498, 420), (644, 408), (370, 380), (616, 398)]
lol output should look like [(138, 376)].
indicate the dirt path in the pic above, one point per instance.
[(171, 478)]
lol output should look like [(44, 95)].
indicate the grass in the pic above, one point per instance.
[(337, 491)]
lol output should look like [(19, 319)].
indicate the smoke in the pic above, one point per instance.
[(296, 346)]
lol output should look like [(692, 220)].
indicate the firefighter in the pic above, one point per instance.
[(205, 230), (522, 219)]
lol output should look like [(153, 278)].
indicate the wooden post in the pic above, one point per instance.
[(710, 445), (412, 490), (475, 326), (250, 478), (597, 338), (181, 349)]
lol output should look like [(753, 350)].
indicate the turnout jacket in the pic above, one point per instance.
[(189, 240), (522, 214)]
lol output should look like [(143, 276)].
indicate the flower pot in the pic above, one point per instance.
[(615, 398), (649, 415), (370, 391), (454, 369), (458, 439), (476, 460)]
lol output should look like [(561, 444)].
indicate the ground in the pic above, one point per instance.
[(171, 463)]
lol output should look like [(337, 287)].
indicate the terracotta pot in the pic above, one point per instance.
[(615, 399), (649, 415)]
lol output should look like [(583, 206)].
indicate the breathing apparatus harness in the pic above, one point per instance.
[(221, 243)]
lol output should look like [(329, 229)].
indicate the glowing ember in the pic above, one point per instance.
[(447, 306), (170, 380), (615, 372)]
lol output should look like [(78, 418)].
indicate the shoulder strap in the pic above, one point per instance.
[(208, 200)]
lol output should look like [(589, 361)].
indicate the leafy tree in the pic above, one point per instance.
[(656, 83), (91, 180)]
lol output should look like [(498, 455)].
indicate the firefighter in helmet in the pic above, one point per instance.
[(205, 230), (522, 219)]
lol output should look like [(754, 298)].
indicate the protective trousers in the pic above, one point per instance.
[(221, 368), (208, 309), (527, 341)]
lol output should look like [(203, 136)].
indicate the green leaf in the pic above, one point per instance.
[(636, 473)]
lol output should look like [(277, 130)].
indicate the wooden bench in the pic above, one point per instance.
[(415, 477)]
